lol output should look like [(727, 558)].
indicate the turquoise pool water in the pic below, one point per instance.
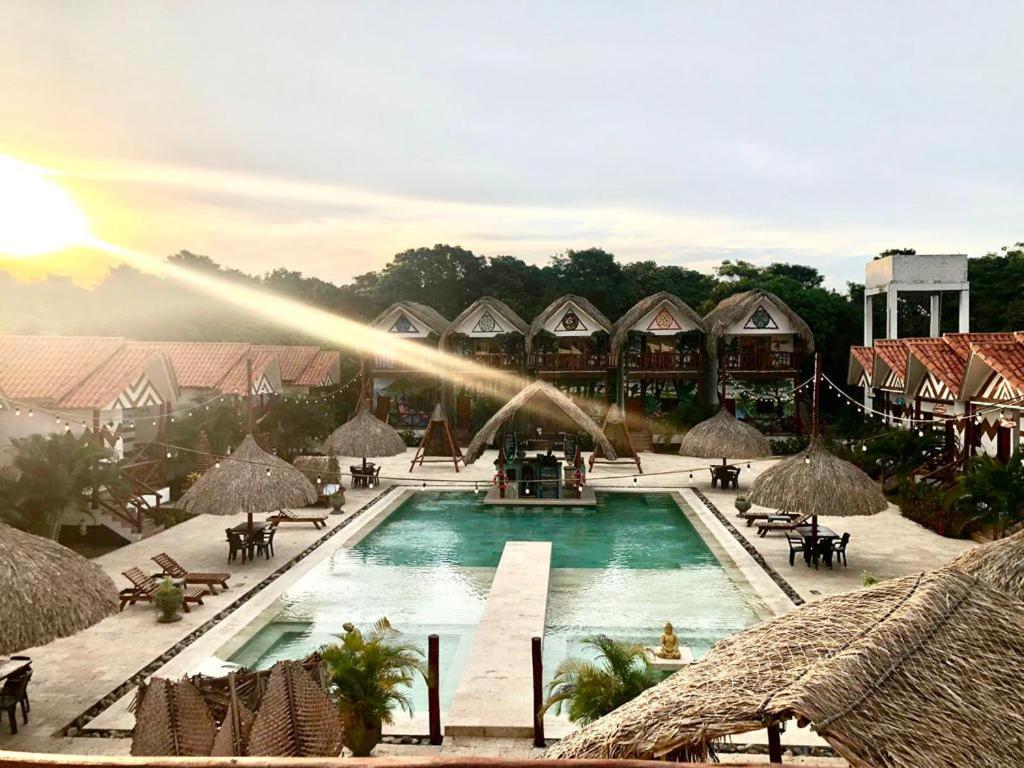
[(621, 569)]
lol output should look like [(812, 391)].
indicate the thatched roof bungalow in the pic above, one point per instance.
[(724, 436), (916, 671), (660, 314)]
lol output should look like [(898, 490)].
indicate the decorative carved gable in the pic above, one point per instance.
[(571, 322), (761, 320), (404, 325), (664, 321), (488, 323)]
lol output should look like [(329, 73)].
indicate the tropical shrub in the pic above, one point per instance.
[(787, 446)]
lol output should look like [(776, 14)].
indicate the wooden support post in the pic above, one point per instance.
[(434, 688), (538, 693), (774, 744)]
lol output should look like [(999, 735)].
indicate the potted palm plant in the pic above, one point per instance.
[(168, 599), (370, 675), (592, 689)]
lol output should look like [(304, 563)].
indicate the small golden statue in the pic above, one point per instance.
[(669, 644)]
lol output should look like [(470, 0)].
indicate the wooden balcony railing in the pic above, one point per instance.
[(501, 361), (687, 360), (748, 360), (555, 361)]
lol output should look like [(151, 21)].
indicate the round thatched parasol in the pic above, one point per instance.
[(723, 436), (816, 482), (249, 481), (364, 436), (49, 591)]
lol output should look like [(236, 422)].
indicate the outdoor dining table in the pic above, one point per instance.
[(361, 475), (10, 667), (250, 534), (725, 475), (826, 537)]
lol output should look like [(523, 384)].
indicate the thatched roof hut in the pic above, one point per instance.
[(723, 436), (739, 306), (922, 670), (603, 324), (48, 591), (364, 436), (497, 306), (425, 315), (817, 482), (241, 485), (544, 398), (620, 331)]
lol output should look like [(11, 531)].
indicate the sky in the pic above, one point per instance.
[(326, 137)]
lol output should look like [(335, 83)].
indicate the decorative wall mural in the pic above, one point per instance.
[(404, 325), (761, 320), (571, 322), (664, 321), (487, 324)]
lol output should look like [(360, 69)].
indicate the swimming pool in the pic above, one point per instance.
[(622, 568)]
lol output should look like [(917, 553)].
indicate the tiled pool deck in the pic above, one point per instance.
[(74, 674)]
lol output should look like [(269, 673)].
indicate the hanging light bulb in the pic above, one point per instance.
[(476, 487), (691, 475), (635, 479), (864, 448), (30, 413), (424, 486), (318, 480), (217, 465), (17, 411), (168, 454), (154, 422), (807, 459)]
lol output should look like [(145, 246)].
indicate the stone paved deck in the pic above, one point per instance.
[(495, 693)]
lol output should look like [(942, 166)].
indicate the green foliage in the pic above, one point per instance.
[(224, 424), (55, 474), (898, 452), (592, 689), (868, 579), (370, 675), (990, 493), (294, 426), (787, 446), (412, 440)]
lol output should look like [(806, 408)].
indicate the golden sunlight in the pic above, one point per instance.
[(36, 215)]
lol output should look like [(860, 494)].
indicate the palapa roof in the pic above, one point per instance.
[(549, 311), (49, 591), (917, 671), (732, 309), (539, 395), (723, 436), (504, 310), (620, 331), (817, 482), (428, 316), (364, 436), (241, 485)]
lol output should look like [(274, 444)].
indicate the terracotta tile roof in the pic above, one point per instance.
[(234, 382), (293, 360), (108, 381), (865, 356), (322, 364), (893, 353), (49, 367), (200, 364), (1005, 358), (940, 359), (961, 342)]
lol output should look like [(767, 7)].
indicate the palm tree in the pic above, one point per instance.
[(595, 688), (990, 491), (368, 675)]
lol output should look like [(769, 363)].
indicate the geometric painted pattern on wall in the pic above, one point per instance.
[(141, 394), (571, 322), (487, 324), (664, 321), (404, 325), (761, 320)]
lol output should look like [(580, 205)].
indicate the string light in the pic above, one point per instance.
[(268, 471)]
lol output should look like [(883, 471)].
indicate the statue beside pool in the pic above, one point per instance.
[(669, 655)]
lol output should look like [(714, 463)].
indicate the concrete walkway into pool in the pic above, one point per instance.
[(73, 674)]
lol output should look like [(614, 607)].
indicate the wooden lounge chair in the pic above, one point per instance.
[(319, 520), (144, 586), (174, 569), (762, 514), (781, 522)]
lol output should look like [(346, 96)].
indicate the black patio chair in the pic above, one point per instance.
[(265, 543), (236, 544), (13, 694), (27, 671), (839, 548), (796, 545)]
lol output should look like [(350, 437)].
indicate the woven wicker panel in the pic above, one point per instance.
[(296, 717), (233, 736), (172, 719), (249, 687)]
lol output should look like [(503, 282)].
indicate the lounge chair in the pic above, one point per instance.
[(781, 522), (319, 520), (762, 514), (174, 569), (144, 586)]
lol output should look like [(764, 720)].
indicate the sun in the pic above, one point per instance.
[(36, 215)]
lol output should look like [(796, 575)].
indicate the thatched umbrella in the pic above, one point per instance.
[(922, 670), (364, 435), (724, 436), (49, 591), (250, 480)]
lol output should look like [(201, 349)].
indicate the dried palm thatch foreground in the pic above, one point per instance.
[(364, 436), (283, 711), (723, 436), (913, 672), (48, 591), (242, 484), (545, 400), (816, 482)]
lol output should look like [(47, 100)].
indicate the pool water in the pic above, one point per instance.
[(622, 569)]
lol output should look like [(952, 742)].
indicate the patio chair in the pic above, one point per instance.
[(236, 544), (26, 671), (319, 520), (174, 569), (143, 587), (265, 543), (796, 545), (839, 548), (14, 693), (781, 523)]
